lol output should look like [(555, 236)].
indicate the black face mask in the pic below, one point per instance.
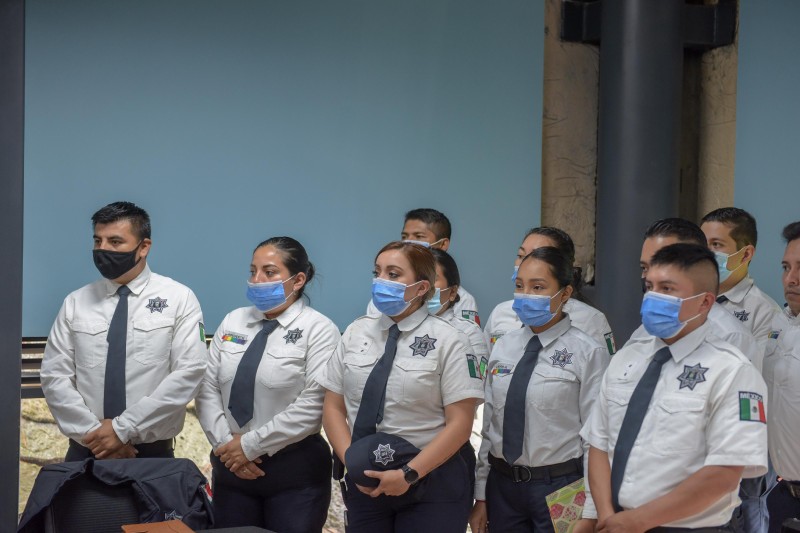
[(114, 264)]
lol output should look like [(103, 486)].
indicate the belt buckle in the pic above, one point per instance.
[(516, 470)]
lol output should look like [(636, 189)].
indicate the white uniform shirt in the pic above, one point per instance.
[(782, 373), (584, 317), (697, 418), (166, 358), (433, 367), (753, 308), (561, 392), (466, 307), (726, 327), (473, 332), (288, 401)]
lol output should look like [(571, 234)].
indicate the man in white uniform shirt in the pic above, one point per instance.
[(127, 352), (782, 373), (681, 415)]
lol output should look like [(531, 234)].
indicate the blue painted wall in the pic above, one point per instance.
[(768, 129), (234, 121)]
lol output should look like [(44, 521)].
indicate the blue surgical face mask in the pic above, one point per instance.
[(435, 303), (722, 264), (514, 275), (534, 309), (389, 296), (424, 244), (660, 314), (268, 295)]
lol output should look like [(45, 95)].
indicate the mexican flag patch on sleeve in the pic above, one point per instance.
[(751, 407)]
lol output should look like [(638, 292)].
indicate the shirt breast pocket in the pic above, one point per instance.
[(357, 368), (679, 424), (285, 367), (152, 340), (554, 388), (420, 380), (91, 345), (229, 358), (618, 400)]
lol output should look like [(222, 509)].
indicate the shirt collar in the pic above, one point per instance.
[(792, 318), (737, 293), (550, 335), (285, 318), (408, 323), (685, 346), (136, 285)]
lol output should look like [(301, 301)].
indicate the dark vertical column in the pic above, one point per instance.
[(641, 60), (12, 85)]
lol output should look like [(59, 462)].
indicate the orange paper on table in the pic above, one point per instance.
[(566, 506), (171, 526)]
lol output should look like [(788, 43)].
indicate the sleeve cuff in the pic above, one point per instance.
[(477, 395), (753, 466), (250, 448), (324, 383), (480, 490), (125, 435)]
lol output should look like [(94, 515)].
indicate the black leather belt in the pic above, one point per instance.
[(523, 474), (793, 487), (159, 447)]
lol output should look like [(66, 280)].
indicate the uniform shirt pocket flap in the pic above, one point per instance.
[(287, 352), (360, 360), (619, 396), (90, 327), (672, 404), (152, 324), (551, 372), (416, 365)]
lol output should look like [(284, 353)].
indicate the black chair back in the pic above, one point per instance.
[(90, 506)]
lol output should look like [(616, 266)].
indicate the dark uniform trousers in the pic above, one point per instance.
[(783, 503), (292, 497), (520, 507), (439, 503), (161, 449), (723, 529)]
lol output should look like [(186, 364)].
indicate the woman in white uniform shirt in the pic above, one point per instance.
[(541, 384), (448, 281), (584, 317), (430, 384), (259, 403)]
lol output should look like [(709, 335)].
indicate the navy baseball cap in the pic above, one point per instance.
[(379, 451)]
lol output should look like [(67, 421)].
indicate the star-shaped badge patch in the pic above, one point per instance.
[(293, 336), (423, 345), (742, 315), (156, 304), (384, 454), (692, 375), (561, 358)]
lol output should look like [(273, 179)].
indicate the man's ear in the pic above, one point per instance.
[(144, 247)]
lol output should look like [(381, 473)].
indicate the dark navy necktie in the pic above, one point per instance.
[(370, 412), (721, 299), (514, 416), (632, 422), (114, 386), (243, 389)]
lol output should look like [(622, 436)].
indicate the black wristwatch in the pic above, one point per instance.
[(410, 475)]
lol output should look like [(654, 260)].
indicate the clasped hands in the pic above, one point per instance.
[(234, 459)]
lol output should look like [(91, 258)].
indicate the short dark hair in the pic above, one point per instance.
[(687, 256), (684, 230), (560, 266), (742, 224), (294, 256), (138, 217), (436, 221), (791, 232)]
